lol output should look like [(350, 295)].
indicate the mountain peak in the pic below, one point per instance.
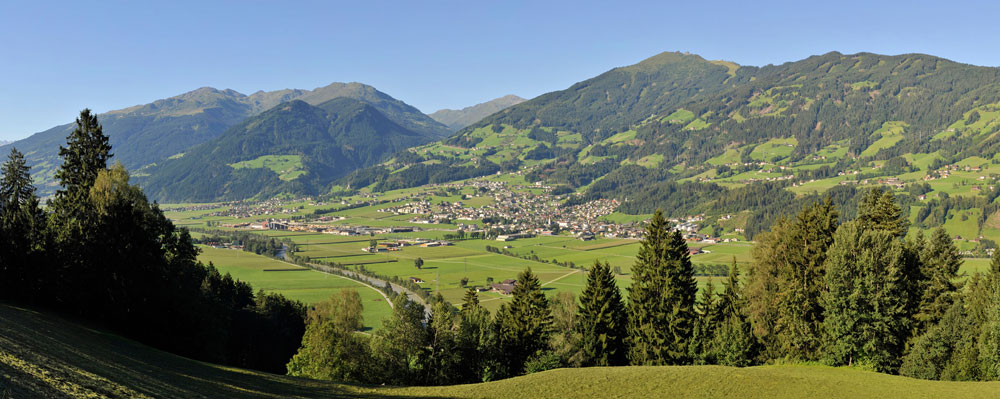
[(458, 119)]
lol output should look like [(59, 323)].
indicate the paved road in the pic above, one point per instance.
[(378, 283), (375, 282)]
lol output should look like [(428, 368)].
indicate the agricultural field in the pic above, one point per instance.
[(288, 167), (774, 149), (61, 363), (294, 282)]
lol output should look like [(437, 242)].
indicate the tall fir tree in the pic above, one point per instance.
[(939, 262), (785, 282), (800, 314), (471, 298), (733, 343), (603, 319), (865, 316), (442, 366), (661, 298), (87, 152), (22, 224), (704, 326), (475, 341), (878, 211), (523, 325)]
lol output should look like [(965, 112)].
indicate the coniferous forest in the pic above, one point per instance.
[(101, 252)]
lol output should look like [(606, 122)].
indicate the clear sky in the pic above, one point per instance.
[(57, 58)]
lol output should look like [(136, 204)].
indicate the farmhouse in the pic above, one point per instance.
[(503, 288), (416, 280)]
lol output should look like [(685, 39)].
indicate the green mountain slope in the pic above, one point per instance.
[(146, 134), (294, 147), (47, 356), (692, 136), (457, 119)]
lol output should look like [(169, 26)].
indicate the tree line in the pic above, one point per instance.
[(855, 293), (100, 251)]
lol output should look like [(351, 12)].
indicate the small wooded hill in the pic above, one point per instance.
[(148, 133), (47, 356), (294, 147)]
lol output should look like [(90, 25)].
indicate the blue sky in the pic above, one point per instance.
[(59, 57)]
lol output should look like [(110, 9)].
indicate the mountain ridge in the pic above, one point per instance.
[(147, 133), (458, 119), (294, 147)]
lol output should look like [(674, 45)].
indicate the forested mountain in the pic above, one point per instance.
[(457, 119), (294, 148), (678, 132), (146, 134)]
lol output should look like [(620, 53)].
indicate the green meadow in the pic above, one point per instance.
[(294, 282)]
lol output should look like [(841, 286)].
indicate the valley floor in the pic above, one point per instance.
[(46, 356)]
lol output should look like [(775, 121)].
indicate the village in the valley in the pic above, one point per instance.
[(512, 212)]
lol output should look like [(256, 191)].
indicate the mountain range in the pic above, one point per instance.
[(689, 135), (294, 147), (146, 134), (674, 131), (458, 119)]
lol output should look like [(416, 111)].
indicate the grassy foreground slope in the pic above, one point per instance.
[(46, 356)]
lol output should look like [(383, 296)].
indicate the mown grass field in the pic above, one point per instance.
[(68, 360), (294, 282)]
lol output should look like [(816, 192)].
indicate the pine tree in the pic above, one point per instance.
[(865, 318), (705, 324), (471, 299), (661, 298), (565, 340), (939, 261), (523, 325), (800, 314), (646, 317), (443, 363), (763, 287), (878, 211), (602, 319), (733, 343), (475, 342), (22, 225), (730, 301), (87, 153)]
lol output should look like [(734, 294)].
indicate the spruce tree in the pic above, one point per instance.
[(475, 342), (939, 261), (443, 363), (878, 211), (87, 153), (733, 343), (865, 318), (603, 319), (471, 299), (800, 314), (704, 326), (22, 225), (523, 325), (646, 316), (661, 298)]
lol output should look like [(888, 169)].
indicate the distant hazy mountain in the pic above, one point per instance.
[(458, 119), (146, 134), (292, 148), (4, 142)]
